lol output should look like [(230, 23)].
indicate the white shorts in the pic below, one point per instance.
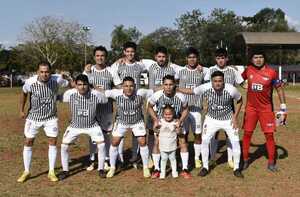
[(211, 126), (72, 133), (31, 128), (138, 129), (194, 122), (106, 121)]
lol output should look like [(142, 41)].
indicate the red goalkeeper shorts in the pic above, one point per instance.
[(266, 121)]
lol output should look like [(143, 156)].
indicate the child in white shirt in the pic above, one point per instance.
[(168, 141)]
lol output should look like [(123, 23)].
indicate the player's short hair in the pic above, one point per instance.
[(161, 49), (169, 77), (168, 106), (127, 45), (192, 50), (217, 74), (257, 52), (83, 78), (100, 48), (43, 63), (128, 79), (221, 52)]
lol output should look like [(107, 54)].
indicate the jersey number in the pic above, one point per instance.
[(257, 87)]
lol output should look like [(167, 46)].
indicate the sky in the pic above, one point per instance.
[(102, 15)]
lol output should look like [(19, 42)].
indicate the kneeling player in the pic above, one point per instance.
[(83, 101), (220, 115), (129, 103)]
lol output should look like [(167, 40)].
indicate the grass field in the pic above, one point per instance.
[(220, 182)]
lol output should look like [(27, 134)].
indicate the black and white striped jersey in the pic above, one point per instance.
[(129, 109), (220, 104), (231, 75), (159, 100), (42, 97), (83, 107), (130, 70), (156, 72), (105, 79), (191, 78)]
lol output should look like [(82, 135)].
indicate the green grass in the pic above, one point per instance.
[(220, 182)]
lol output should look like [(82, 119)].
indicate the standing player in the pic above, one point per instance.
[(42, 90), (220, 115), (83, 102), (231, 76), (191, 77), (102, 77), (129, 104), (130, 67), (261, 81), (178, 101)]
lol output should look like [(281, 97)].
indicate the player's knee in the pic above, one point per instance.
[(29, 142), (52, 141), (142, 141), (269, 136), (197, 139)]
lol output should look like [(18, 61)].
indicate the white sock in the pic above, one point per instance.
[(213, 148), (185, 159), (113, 154), (120, 150), (64, 157), (107, 141), (156, 157), (135, 147), (205, 153), (101, 155), (93, 149), (197, 148), (163, 164), (52, 151), (229, 150), (27, 154), (236, 150), (150, 143), (172, 157), (144, 151)]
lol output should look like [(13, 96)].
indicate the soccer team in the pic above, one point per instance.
[(174, 107)]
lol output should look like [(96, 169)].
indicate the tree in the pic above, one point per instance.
[(120, 35), (54, 40)]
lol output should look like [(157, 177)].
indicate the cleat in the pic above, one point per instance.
[(122, 166), (174, 174), (63, 175), (272, 167), (203, 172), (238, 173), (51, 176), (91, 167), (186, 174), (111, 172), (24, 177), (230, 164), (106, 166), (147, 173), (150, 163), (102, 174), (246, 164), (155, 174), (198, 163), (212, 163)]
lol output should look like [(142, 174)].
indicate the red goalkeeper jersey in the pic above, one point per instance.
[(260, 87)]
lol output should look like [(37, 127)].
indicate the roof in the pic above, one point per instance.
[(272, 39)]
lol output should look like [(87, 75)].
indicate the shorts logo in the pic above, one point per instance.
[(141, 128), (55, 129)]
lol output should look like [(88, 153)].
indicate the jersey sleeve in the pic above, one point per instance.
[(61, 81), (199, 90), (113, 93), (145, 93), (115, 76), (176, 68), (101, 98), (183, 99), (236, 95), (147, 63), (207, 75), (67, 95), (244, 74), (238, 77), (26, 87), (154, 98)]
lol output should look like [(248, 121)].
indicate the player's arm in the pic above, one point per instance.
[(185, 90), (184, 114), (238, 106), (22, 104)]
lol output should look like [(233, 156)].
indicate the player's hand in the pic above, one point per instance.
[(200, 68), (99, 88), (178, 124), (22, 114), (121, 61), (88, 68), (234, 123), (156, 125)]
